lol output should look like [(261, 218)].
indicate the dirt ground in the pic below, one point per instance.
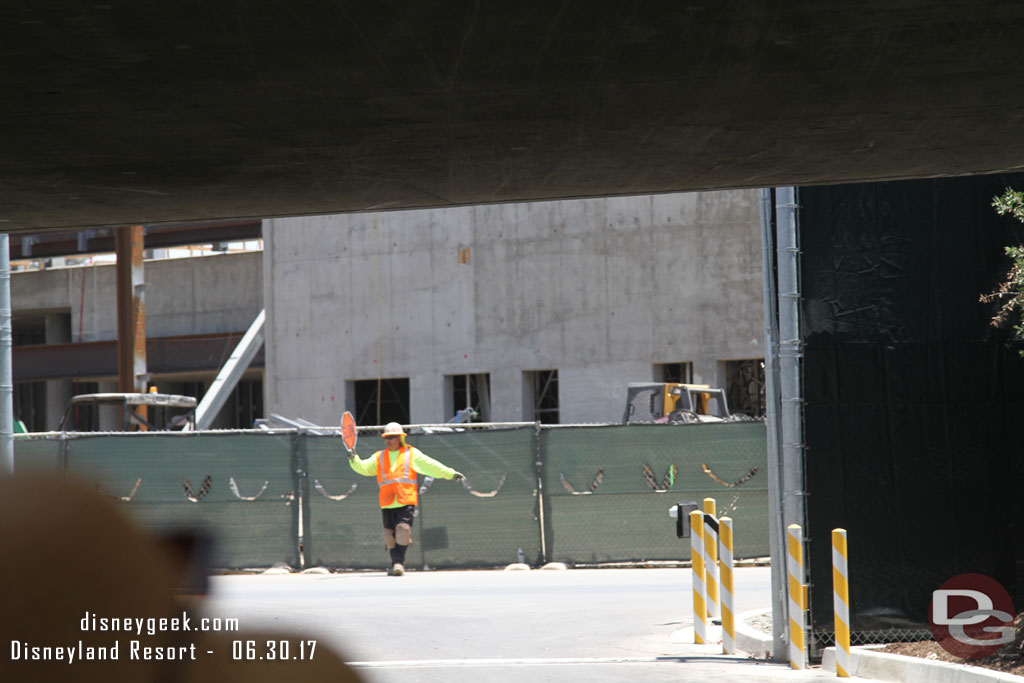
[(1009, 659)]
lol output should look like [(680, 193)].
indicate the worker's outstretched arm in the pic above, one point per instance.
[(367, 467), (426, 465)]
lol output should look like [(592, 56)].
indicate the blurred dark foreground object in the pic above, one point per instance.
[(75, 570)]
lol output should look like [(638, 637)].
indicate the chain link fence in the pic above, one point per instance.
[(533, 493)]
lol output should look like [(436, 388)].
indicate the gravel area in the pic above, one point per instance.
[(760, 622)]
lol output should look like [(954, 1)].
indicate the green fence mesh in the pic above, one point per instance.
[(38, 455), (240, 488), (571, 494), (454, 527), (458, 528), (610, 488)]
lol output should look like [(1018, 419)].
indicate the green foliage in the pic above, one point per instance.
[(1011, 290), (1011, 202)]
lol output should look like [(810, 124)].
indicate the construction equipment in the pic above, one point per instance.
[(129, 404), (674, 403)]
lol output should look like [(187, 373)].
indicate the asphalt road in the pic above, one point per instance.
[(575, 625)]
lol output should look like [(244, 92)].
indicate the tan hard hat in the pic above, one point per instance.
[(393, 429)]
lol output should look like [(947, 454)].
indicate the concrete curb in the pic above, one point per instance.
[(866, 662), (750, 641)]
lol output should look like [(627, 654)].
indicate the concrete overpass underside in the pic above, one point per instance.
[(150, 112)]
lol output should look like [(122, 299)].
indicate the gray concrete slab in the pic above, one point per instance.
[(595, 625), (154, 112)]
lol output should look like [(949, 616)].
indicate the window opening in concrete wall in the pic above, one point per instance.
[(744, 386), (30, 405), (389, 404), (542, 387), (248, 403), (84, 418), (27, 334), (479, 402), (680, 373)]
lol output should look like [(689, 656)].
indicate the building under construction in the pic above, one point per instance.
[(529, 311)]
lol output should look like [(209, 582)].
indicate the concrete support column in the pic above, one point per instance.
[(58, 391), (507, 396), (426, 399), (709, 371)]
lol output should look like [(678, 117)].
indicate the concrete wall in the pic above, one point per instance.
[(599, 289), (203, 295)]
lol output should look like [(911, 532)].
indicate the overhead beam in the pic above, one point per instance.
[(80, 243), (95, 360)]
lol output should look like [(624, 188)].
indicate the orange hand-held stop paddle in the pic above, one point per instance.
[(348, 431)]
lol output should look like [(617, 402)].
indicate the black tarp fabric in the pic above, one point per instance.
[(914, 412)]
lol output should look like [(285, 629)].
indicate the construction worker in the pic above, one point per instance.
[(395, 467)]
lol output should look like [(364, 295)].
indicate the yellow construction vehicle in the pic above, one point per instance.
[(674, 403)]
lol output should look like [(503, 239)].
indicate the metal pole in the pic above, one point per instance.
[(6, 373), (791, 397), (776, 520), (131, 310), (539, 457), (132, 376), (790, 358)]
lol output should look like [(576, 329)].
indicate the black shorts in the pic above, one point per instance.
[(395, 516)]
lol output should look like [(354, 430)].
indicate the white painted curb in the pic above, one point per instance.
[(866, 662)]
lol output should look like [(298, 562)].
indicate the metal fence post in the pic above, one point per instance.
[(841, 601), (65, 448), (6, 372), (541, 498), (301, 522)]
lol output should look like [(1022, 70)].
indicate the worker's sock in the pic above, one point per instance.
[(398, 554)]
